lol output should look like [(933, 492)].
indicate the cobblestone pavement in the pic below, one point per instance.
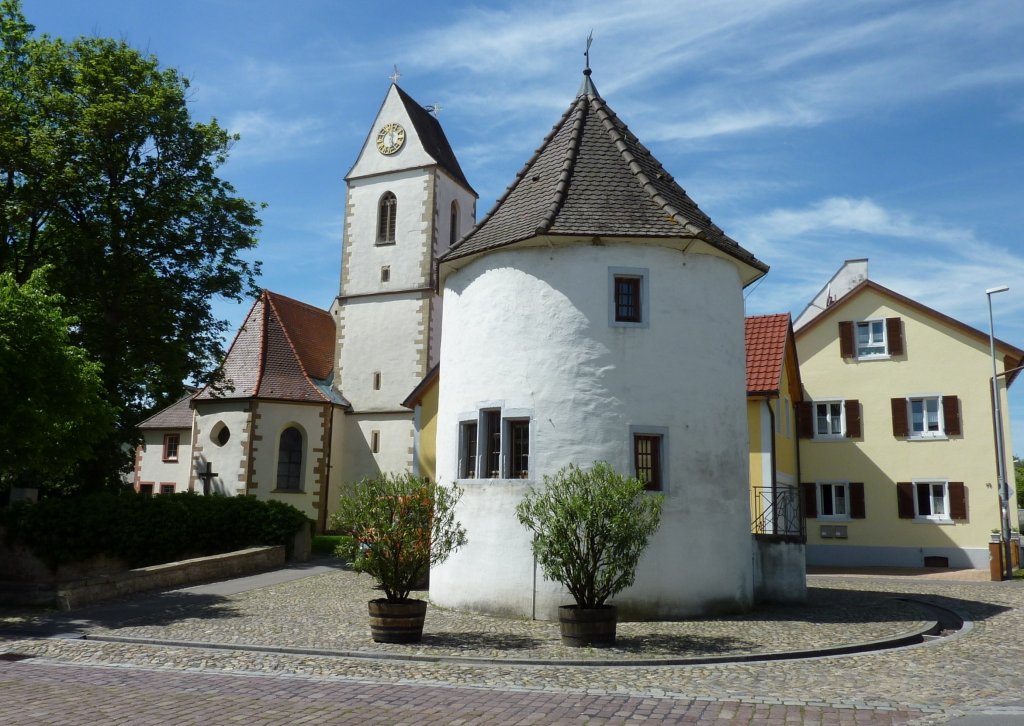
[(928, 683)]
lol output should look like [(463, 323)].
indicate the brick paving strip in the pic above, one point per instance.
[(69, 694), (931, 682)]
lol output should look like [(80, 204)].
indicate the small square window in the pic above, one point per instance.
[(385, 273), (146, 489), (167, 489)]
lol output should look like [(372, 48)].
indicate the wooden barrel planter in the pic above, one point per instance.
[(397, 622), (582, 627)]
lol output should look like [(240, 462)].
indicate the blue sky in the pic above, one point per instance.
[(812, 132)]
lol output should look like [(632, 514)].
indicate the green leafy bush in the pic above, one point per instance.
[(395, 527), (144, 530), (591, 528)]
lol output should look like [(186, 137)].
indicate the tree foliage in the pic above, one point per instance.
[(590, 528), (105, 176), (397, 527), (53, 409)]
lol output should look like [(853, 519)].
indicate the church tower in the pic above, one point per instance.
[(407, 202)]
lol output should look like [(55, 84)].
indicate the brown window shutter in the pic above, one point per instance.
[(900, 426), (957, 500), (852, 407), (951, 415), (894, 336), (857, 500), (847, 340), (805, 420), (905, 499), (810, 500)]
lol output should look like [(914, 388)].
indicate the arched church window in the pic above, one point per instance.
[(453, 225), (289, 459), (386, 219)]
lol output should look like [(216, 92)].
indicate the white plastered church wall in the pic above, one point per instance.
[(273, 419), (229, 461), (529, 328)]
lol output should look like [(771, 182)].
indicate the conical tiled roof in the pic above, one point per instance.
[(284, 350), (592, 177)]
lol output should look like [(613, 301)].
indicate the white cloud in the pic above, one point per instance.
[(265, 135)]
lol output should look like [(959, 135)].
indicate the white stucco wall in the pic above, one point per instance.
[(228, 460), (356, 460), (528, 329), (273, 419)]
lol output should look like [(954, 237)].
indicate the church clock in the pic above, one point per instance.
[(390, 138)]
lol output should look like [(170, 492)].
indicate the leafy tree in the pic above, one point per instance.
[(590, 527), (53, 410), (1018, 471), (397, 526), (105, 176)]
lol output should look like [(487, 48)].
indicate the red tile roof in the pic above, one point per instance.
[(766, 351), (282, 348)]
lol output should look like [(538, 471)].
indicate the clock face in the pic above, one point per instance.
[(390, 138)]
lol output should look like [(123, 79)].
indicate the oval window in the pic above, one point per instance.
[(220, 434)]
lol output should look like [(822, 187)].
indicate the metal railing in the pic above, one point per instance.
[(778, 511)]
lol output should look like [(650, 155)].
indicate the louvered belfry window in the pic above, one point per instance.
[(386, 218)]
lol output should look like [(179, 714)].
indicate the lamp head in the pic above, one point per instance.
[(994, 290)]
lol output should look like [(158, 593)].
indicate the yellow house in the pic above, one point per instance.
[(423, 402), (897, 452), (773, 390)]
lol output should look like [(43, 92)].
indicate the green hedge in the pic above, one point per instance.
[(145, 530)]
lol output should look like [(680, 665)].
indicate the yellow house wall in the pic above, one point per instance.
[(785, 430), (428, 434), (939, 359), (760, 433)]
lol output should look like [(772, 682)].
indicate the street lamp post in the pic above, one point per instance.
[(1004, 487)]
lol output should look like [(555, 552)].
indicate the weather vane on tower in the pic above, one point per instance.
[(586, 53), (396, 75)]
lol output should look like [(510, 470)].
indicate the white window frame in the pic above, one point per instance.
[(924, 398), (845, 499), (931, 516), (830, 402), (642, 274), (872, 341)]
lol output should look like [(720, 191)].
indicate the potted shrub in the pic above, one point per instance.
[(396, 527), (590, 528)]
